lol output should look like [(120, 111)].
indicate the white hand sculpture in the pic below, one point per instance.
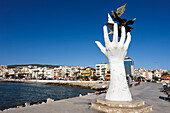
[(115, 52)]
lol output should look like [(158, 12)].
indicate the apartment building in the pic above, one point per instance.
[(101, 69)]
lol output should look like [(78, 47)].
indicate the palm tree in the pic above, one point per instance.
[(37, 74), (75, 75), (34, 74), (104, 74), (43, 75), (91, 72), (66, 75), (79, 72), (6, 74)]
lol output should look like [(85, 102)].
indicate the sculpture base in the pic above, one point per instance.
[(134, 106)]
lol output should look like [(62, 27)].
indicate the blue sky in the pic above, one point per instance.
[(63, 32)]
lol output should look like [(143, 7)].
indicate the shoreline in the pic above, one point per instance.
[(93, 85)]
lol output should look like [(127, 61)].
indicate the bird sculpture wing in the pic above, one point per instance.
[(121, 10), (117, 18), (130, 22)]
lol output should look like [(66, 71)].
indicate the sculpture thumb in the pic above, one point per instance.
[(102, 48)]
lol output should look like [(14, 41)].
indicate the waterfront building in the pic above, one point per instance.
[(88, 72), (3, 70), (148, 75), (158, 74), (67, 70), (11, 72), (101, 70), (107, 78), (25, 69), (3, 67), (76, 71), (129, 66), (35, 72), (50, 73)]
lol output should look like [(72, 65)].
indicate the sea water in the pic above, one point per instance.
[(16, 94)]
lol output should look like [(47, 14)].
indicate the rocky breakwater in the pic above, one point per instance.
[(12, 80), (94, 85)]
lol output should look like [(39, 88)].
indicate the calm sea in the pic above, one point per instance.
[(15, 94)]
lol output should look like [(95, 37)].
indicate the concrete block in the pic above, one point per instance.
[(117, 104), (49, 100), (19, 106), (27, 104)]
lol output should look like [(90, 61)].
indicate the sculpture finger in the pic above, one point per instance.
[(106, 37), (110, 20), (127, 41), (115, 36), (122, 39), (102, 48)]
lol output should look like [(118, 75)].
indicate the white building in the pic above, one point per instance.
[(11, 72), (50, 73), (101, 69), (36, 71), (158, 75)]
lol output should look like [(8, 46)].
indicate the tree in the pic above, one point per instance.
[(20, 76), (75, 75), (140, 78), (79, 76), (94, 77), (6, 74), (67, 74), (35, 76), (42, 75), (103, 70), (155, 78), (91, 72), (164, 74), (79, 70), (43, 71), (38, 74)]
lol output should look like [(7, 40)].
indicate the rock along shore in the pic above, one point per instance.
[(94, 85)]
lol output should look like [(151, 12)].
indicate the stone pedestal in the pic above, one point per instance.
[(134, 106)]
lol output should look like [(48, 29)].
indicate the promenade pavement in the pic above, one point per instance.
[(148, 92)]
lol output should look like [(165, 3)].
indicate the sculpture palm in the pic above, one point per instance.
[(115, 52)]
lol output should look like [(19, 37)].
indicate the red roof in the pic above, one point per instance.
[(166, 77)]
